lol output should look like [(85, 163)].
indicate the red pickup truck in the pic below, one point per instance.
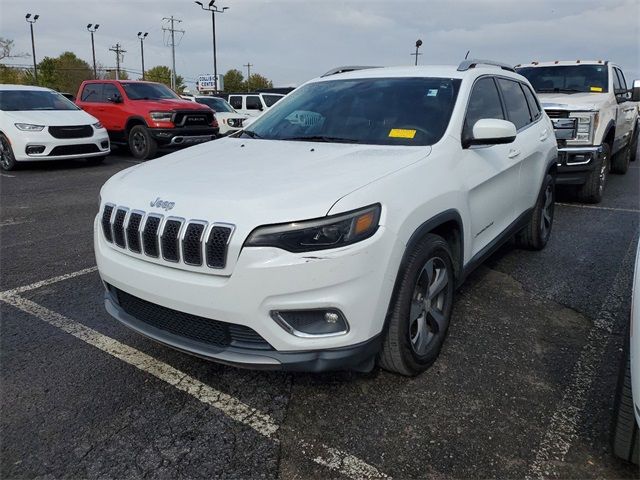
[(146, 115)]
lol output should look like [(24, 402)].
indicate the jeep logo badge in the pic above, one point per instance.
[(159, 203)]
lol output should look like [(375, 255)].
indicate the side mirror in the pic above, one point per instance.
[(491, 131), (635, 91), (115, 99)]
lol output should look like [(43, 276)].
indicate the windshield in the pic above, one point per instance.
[(27, 100), (270, 100), (216, 104), (148, 91), (567, 78), (380, 111)]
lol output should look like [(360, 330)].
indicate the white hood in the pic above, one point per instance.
[(256, 182), (573, 101), (51, 117)]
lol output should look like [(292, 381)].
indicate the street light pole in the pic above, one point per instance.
[(418, 45), (92, 28), (33, 43), (213, 9), (142, 36)]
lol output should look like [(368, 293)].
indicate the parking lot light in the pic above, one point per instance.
[(213, 9), (92, 28), (31, 20), (142, 36)]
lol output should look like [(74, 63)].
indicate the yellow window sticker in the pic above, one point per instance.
[(401, 133), (595, 89)]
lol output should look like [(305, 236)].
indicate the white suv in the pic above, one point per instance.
[(253, 104), (335, 230)]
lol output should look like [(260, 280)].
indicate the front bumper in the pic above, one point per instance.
[(576, 163), (95, 146), (175, 137), (357, 280)]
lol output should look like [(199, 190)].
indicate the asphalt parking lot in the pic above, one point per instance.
[(524, 386)]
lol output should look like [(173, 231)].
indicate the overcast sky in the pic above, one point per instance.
[(291, 41)]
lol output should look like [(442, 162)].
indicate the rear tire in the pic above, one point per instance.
[(538, 231), (625, 435), (593, 189), (7, 158), (141, 144), (420, 310)]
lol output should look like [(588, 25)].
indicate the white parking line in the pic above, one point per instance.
[(49, 281), (331, 458), (8, 176), (562, 430), (593, 207)]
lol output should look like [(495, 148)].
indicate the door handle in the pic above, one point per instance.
[(544, 135), (514, 153)]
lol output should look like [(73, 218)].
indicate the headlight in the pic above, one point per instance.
[(587, 124), (28, 127), (235, 122), (161, 116), (98, 126), (320, 234)]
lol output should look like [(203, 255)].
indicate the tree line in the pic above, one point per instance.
[(66, 72)]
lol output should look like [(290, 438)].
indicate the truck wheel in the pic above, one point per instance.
[(420, 311), (625, 436), (593, 188), (537, 232), (141, 143), (7, 159), (620, 161)]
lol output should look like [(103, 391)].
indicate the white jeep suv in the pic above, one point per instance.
[(335, 230)]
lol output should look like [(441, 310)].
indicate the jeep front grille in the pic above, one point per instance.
[(192, 242)]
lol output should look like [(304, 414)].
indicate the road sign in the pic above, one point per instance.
[(206, 83)]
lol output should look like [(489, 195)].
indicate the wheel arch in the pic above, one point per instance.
[(132, 122), (609, 134)]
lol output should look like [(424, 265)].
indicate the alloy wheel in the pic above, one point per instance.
[(5, 153), (427, 318), (604, 170), (139, 142)]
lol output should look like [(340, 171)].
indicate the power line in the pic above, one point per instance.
[(172, 21)]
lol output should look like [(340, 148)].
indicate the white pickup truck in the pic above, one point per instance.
[(595, 117)]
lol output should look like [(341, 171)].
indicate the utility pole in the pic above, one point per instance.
[(33, 43), (172, 21), (92, 28), (213, 9), (117, 48), (418, 45), (142, 36), (248, 65)]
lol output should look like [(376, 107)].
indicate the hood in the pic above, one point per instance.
[(573, 101), (52, 117), (256, 182), (170, 104)]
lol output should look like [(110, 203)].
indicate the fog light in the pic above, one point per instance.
[(312, 323), (104, 144), (34, 149)]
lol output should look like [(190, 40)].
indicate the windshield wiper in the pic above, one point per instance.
[(322, 138), (251, 134)]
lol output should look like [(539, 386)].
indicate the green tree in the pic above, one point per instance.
[(162, 74), (234, 81), (16, 76), (257, 81), (64, 73)]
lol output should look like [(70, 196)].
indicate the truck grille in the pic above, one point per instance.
[(193, 118), (193, 327), (71, 131), (192, 242)]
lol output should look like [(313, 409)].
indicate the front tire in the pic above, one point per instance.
[(625, 434), (634, 145), (7, 158), (620, 161), (593, 189), (537, 232), (420, 311), (141, 144)]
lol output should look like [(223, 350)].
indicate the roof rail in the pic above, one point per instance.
[(352, 68), (473, 63)]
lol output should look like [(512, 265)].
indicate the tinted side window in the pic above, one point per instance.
[(534, 108), (515, 102), (616, 81), (236, 102), (484, 102), (92, 93), (109, 91), (624, 94), (254, 103)]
